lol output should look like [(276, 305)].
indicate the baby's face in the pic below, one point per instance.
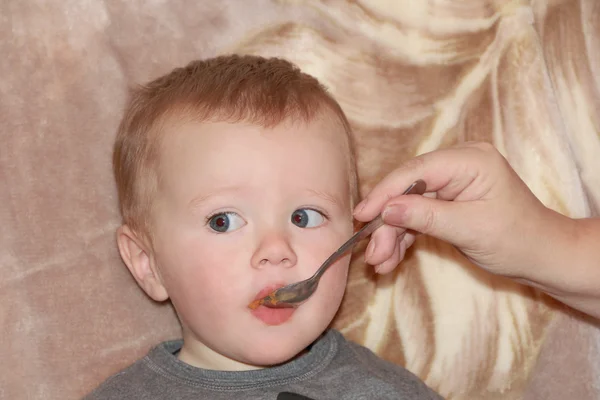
[(242, 210)]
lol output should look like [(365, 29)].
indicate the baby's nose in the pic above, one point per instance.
[(274, 249)]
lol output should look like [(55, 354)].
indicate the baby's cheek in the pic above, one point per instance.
[(335, 280)]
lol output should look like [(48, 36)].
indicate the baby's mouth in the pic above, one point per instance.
[(259, 298), (270, 316)]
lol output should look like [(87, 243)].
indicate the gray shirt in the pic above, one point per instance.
[(333, 368)]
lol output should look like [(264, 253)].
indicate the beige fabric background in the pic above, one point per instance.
[(412, 75)]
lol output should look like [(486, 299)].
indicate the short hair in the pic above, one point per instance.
[(232, 88)]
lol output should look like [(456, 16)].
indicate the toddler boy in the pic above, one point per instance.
[(236, 176)]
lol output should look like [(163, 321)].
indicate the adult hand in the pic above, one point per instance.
[(479, 204)]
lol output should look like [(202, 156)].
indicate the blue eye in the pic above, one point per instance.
[(225, 222), (307, 218)]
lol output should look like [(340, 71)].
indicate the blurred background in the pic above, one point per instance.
[(412, 76)]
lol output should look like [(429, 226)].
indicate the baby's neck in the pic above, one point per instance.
[(201, 356)]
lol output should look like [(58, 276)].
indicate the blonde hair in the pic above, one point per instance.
[(232, 88)]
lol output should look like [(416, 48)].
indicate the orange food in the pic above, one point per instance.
[(254, 305), (270, 299)]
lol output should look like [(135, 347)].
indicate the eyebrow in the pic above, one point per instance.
[(326, 196), (198, 200)]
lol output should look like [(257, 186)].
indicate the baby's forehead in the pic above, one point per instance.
[(322, 134), (203, 158), (326, 125), (323, 131)]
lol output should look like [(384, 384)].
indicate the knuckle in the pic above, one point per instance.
[(414, 164), (429, 220), (487, 153)]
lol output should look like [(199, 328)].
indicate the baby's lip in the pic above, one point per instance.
[(268, 289)]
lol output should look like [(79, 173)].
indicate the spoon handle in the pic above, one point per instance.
[(418, 187)]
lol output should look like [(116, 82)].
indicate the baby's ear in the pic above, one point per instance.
[(139, 259)]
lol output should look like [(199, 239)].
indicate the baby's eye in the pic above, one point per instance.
[(307, 218), (226, 222)]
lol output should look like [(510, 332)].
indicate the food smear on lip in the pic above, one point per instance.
[(259, 302), (254, 305), (268, 315), (261, 297)]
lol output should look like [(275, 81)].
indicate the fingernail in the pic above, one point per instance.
[(395, 214), (360, 206), (370, 249)]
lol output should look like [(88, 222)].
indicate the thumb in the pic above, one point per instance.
[(442, 219)]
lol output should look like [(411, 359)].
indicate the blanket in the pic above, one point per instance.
[(412, 76)]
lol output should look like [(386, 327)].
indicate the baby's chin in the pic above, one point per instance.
[(268, 346)]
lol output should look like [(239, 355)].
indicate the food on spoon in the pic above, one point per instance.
[(269, 300)]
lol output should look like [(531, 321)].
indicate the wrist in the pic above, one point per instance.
[(553, 263)]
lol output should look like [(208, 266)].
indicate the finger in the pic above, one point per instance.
[(448, 171), (409, 239), (383, 241), (442, 219), (393, 185), (390, 263), (404, 242)]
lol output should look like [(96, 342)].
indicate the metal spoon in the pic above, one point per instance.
[(294, 294)]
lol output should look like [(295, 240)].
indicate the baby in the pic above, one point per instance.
[(236, 176)]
